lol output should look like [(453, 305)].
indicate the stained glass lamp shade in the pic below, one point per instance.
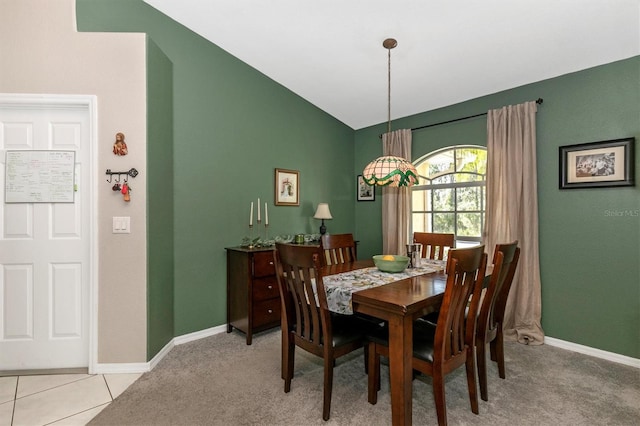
[(390, 171)]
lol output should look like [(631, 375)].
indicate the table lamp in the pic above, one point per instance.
[(323, 212)]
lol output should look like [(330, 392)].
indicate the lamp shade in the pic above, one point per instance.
[(323, 212), (390, 171)]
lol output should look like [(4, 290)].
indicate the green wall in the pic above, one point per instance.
[(589, 258), (232, 127), (160, 204)]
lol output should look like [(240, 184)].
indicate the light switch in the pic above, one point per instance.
[(121, 225)]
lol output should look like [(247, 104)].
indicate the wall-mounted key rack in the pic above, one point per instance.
[(125, 188), (132, 172)]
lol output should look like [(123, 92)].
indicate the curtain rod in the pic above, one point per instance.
[(538, 101)]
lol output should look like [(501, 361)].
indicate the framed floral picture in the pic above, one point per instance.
[(597, 164), (287, 187), (365, 192)]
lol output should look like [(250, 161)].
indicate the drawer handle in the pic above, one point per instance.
[(270, 287), (270, 311), (271, 263)]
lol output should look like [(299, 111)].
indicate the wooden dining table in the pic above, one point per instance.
[(399, 303)]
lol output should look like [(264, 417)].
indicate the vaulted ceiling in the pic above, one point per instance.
[(330, 52)]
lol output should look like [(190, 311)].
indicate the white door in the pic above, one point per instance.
[(45, 247)]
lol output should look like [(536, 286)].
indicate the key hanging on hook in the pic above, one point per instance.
[(126, 192)]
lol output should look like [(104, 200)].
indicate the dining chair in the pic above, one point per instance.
[(439, 349), (491, 312), (341, 248), (434, 245), (307, 321), (338, 248)]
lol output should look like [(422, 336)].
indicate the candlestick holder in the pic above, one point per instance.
[(258, 229), (250, 237), (266, 232)]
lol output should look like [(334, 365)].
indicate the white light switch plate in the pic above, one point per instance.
[(121, 224)]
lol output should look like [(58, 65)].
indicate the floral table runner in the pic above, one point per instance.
[(339, 287)]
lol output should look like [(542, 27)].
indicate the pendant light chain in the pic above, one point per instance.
[(389, 44), (390, 170), (389, 91)]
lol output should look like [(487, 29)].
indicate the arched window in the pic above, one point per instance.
[(451, 195)]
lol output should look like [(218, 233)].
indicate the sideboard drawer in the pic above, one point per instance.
[(266, 312), (265, 288), (263, 265), (253, 298)]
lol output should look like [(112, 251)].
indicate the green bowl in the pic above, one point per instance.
[(398, 264)]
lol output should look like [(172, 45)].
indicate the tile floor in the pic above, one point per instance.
[(59, 399)]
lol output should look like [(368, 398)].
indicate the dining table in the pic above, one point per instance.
[(399, 301)]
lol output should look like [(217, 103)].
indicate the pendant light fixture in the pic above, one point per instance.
[(390, 170)]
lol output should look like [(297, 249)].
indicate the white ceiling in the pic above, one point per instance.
[(330, 52)]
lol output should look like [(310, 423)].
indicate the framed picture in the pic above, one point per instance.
[(287, 188), (597, 164), (365, 192)]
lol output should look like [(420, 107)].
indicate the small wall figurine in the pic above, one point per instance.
[(120, 147)]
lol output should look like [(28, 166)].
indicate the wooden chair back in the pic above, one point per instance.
[(511, 256), (491, 314), (434, 245), (338, 248), (306, 319), (307, 314), (505, 261), (440, 348), (455, 330)]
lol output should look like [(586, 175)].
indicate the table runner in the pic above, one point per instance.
[(339, 287)]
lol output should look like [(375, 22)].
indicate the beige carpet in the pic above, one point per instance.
[(222, 381)]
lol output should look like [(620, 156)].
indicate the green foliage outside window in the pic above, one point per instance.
[(451, 196)]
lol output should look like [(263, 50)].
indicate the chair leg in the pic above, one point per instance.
[(284, 355), (328, 385), (481, 356), (500, 352), (366, 358), (492, 347), (374, 374), (439, 398), (288, 361), (471, 381)]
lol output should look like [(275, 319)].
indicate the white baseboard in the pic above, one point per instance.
[(163, 352), (143, 367), (598, 353), (197, 335)]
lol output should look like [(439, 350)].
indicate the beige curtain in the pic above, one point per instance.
[(396, 202), (512, 212)]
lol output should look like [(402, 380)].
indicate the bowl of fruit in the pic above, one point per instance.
[(391, 262)]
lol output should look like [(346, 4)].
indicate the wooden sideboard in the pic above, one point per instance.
[(253, 299)]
